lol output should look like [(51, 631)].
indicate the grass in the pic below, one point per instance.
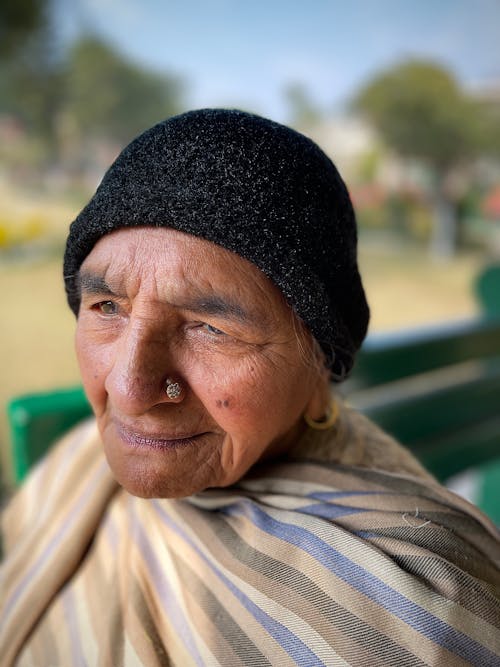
[(405, 288), (36, 336)]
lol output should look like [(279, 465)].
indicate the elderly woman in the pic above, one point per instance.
[(224, 507)]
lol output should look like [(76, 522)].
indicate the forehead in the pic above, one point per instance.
[(170, 264)]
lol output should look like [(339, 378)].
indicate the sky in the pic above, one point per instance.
[(245, 52)]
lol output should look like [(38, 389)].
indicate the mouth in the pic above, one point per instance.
[(163, 441)]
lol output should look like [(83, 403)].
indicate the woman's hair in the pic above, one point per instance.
[(255, 187)]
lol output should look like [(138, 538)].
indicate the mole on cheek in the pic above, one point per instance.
[(222, 403)]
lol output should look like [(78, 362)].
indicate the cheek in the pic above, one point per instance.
[(247, 397), (94, 362), (231, 388), (223, 386)]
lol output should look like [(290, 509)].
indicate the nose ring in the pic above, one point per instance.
[(172, 389)]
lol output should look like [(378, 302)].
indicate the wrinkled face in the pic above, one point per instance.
[(158, 304)]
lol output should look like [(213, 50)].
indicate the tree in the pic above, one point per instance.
[(32, 87), (31, 70), (112, 97), (19, 19), (303, 111), (421, 112), (89, 91)]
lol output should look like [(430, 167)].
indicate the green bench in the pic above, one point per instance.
[(37, 420), (437, 390)]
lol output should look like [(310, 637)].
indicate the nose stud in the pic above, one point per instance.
[(172, 389)]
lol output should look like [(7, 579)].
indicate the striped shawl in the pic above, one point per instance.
[(319, 559)]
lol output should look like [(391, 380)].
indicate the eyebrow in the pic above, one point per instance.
[(204, 304), (219, 306), (92, 284)]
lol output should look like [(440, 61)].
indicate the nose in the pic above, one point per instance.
[(143, 368)]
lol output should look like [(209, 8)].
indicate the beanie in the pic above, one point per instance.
[(252, 186)]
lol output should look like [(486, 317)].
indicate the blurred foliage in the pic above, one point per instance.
[(404, 217), (71, 95), (109, 96), (18, 20), (368, 165), (65, 110), (423, 114), (303, 111), (32, 87), (14, 232)]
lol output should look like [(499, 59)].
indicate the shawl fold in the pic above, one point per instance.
[(317, 559)]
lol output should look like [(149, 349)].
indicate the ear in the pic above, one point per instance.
[(319, 402)]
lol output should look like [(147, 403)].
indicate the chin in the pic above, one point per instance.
[(153, 489), (144, 481), (148, 485)]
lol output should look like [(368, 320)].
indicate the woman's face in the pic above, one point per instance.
[(158, 304)]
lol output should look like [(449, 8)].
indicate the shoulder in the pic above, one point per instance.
[(408, 522), (355, 440), (386, 496)]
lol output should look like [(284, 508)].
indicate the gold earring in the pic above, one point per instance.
[(328, 420)]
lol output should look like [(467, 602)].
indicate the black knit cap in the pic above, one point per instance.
[(252, 186)]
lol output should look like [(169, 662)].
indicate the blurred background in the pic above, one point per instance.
[(405, 98)]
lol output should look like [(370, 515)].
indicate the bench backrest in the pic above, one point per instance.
[(437, 390), (449, 413), (37, 420), (395, 356)]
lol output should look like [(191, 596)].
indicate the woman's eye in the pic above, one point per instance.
[(213, 330), (107, 307)]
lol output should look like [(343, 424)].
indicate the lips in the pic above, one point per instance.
[(162, 440)]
